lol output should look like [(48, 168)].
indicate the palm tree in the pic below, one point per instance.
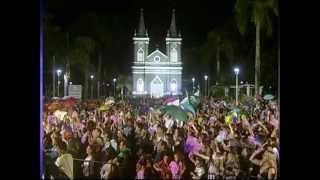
[(224, 43), (260, 12), (218, 39)]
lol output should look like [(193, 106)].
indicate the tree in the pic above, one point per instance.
[(260, 12), (101, 29), (80, 56), (219, 40), (123, 83), (103, 37), (52, 52), (224, 48)]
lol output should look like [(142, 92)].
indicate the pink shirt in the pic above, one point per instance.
[(140, 174)]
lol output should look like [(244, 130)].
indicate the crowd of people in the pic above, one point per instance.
[(135, 140)]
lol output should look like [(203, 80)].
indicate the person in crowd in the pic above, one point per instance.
[(88, 164), (131, 134), (268, 164), (65, 160), (109, 169), (162, 167), (177, 166), (140, 168), (199, 170)]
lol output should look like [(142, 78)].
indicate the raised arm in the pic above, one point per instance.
[(195, 129), (252, 157), (274, 132), (156, 167), (183, 168), (263, 126), (84, 138), (191, 158), (225, 147), (231, 129), (202, 156)]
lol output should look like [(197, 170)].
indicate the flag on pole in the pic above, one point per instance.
[(172, 101), (197, 93), (186, 106)]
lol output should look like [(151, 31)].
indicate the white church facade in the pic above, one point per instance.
[(157, 73)]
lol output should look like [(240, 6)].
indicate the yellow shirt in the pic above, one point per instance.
[(65, 163)]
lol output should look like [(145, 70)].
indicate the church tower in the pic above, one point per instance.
[(173, 42), (141, 41), (140, 52), (156, 74)]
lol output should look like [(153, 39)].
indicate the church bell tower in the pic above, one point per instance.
[(173, 41), (141, 41)]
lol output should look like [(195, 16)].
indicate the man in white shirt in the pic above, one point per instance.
[(65, 161)]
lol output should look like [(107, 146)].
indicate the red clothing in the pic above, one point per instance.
[(165, 169)]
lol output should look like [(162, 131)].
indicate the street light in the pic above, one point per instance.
[(91, 86), (59, 71), (236, 71), (206, 85), (193, 79), (108, 90), (114, 87), (65, 86)]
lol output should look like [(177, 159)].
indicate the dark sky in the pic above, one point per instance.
[(193, 18)]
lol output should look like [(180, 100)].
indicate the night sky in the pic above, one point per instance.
[(194, 18)]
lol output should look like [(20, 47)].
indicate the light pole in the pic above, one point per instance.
[(193, 79), (91, 86), (108, 90), (65, 86), (114, 87), (236, 71), (206, 84), (59, 71)]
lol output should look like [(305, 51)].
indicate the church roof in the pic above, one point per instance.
[(157, 51)]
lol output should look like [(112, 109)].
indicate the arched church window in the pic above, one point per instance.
[(140, 85), (173, 85), (140, 55), (174, 55)]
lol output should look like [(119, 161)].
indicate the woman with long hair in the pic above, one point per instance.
[(88, 164)]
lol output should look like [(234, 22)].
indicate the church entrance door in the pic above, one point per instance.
[(156, 87)]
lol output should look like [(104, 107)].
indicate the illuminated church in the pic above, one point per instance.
[(157, 73)]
